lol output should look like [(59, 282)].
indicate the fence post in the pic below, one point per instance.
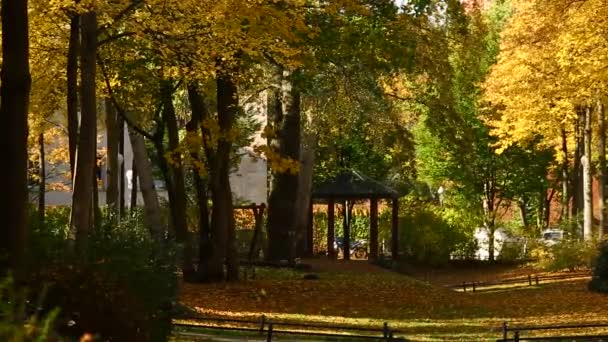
[(505, 329), (464, 286), (536, 280), (529, 279), (269, 338), (516, 336), (385, 330), (473, 286), (262, 324)]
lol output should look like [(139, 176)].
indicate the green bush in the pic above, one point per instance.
[(569, 254), (20, 322), (427, 237), (121, 288), (599, 282)]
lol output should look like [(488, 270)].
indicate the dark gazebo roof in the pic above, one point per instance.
[(353, 185)]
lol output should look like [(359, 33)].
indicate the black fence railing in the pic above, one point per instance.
[(516, 333), (530, 280), (270, 329)]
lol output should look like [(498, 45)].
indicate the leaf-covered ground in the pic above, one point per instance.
[(361, 294)]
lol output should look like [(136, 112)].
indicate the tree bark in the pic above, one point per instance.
[(601, 139), (587, 178), (87, 142), (222, 216), (177, 190), (523, 212), (199, 112), (121, 167), (281, 204), (42, 184), (112, 158), (15, 84), (304, 197), (565, 177), (134, 176), (72, 89), (152, 214)]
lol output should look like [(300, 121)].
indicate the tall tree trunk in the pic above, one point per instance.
[(304, 195), (113, 169), (601, 139), (152, 215), (199, 111), (565, 176), (121, 167), (178, 200), (222, 216), (134, 179), (72, 89), (95, 210), (281, 204), (42, 184), (15, 84), (587, 178), (523, 212), (87, 141), (577, 175)]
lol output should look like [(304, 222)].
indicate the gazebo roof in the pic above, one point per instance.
[(352, 184)]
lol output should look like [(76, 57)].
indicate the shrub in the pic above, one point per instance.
[(121, 288), (18, 320), (599, 282), (428, 238), (569, 254)]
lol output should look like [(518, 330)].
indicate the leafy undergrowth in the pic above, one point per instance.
[(419, 310)]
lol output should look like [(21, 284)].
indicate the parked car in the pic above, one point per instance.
[(551, 237)]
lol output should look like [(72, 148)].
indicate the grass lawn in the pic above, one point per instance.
[(355, 293)]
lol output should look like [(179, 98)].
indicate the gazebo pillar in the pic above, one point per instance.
[(309, 231), (373, 230), (346, 233), (395, 230), (331, 253)]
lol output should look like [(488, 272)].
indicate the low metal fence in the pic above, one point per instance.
[(530, 280), (270, 329), (517, 332)]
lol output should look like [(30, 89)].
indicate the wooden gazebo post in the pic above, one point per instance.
[(346, 233), (373, 229), (395, 230), (331, 253)]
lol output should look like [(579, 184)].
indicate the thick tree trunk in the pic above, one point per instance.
[(601, 139), (152, 214), (121, 167), (576, 175), (281, 204), (134, 179), (72, 89), (523, 212), (15, 84), (304, 197), (177, 190), (113, 169), (222, 215), (42, 184), (199, 111), (587, 178), (87, 142), (565, 177)]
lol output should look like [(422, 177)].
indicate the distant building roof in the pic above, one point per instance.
[(353, 185)]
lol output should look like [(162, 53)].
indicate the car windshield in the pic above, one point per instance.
[(552, 236)]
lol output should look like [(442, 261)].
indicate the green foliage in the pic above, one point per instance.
[(122, 287), (429, 237), (568, 254), (18, 322), (599, 282)]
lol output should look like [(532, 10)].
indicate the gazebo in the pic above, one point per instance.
[(349, 186)]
